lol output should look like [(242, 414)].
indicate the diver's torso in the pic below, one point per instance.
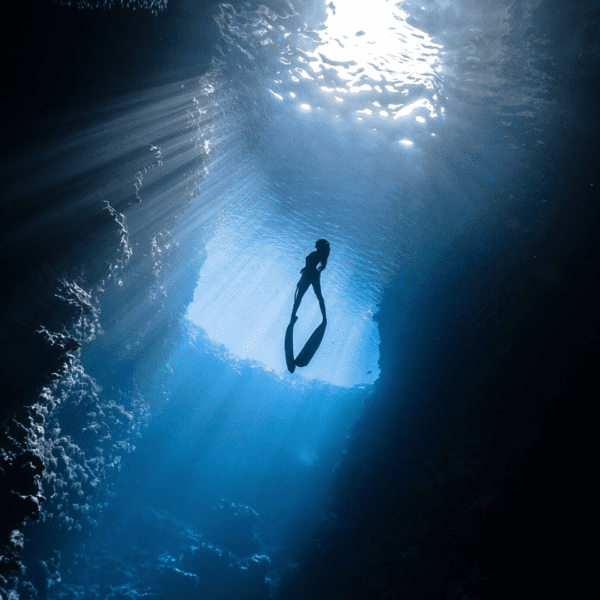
[(312, 260)]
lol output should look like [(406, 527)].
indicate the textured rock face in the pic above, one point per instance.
[(234, 526), (233, 562), (231, 565), (66, 446), (211, 571), (20, 491), (159, 557)]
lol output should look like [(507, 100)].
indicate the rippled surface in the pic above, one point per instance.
[(360, 49)]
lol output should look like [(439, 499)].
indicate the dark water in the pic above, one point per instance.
[(165, 172)]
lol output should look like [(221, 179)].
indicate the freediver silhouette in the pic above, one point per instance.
[(311, 275)]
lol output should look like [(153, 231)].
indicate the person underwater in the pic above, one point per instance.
[(311, 275)]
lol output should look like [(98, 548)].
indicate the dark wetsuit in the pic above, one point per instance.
[(312, 260), (311, 276)]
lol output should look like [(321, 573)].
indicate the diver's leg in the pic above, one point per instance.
[(300, 291), (316, 283)]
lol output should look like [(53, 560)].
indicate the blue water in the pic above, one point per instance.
[(438, 147)]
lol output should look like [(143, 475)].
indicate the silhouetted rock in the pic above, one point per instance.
[(234, 526)]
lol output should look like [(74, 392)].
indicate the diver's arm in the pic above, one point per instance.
[(323, 265)]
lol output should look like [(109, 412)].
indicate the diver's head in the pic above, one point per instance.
[(322, 246)]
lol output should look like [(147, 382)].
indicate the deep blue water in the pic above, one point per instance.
[(165, 172)]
